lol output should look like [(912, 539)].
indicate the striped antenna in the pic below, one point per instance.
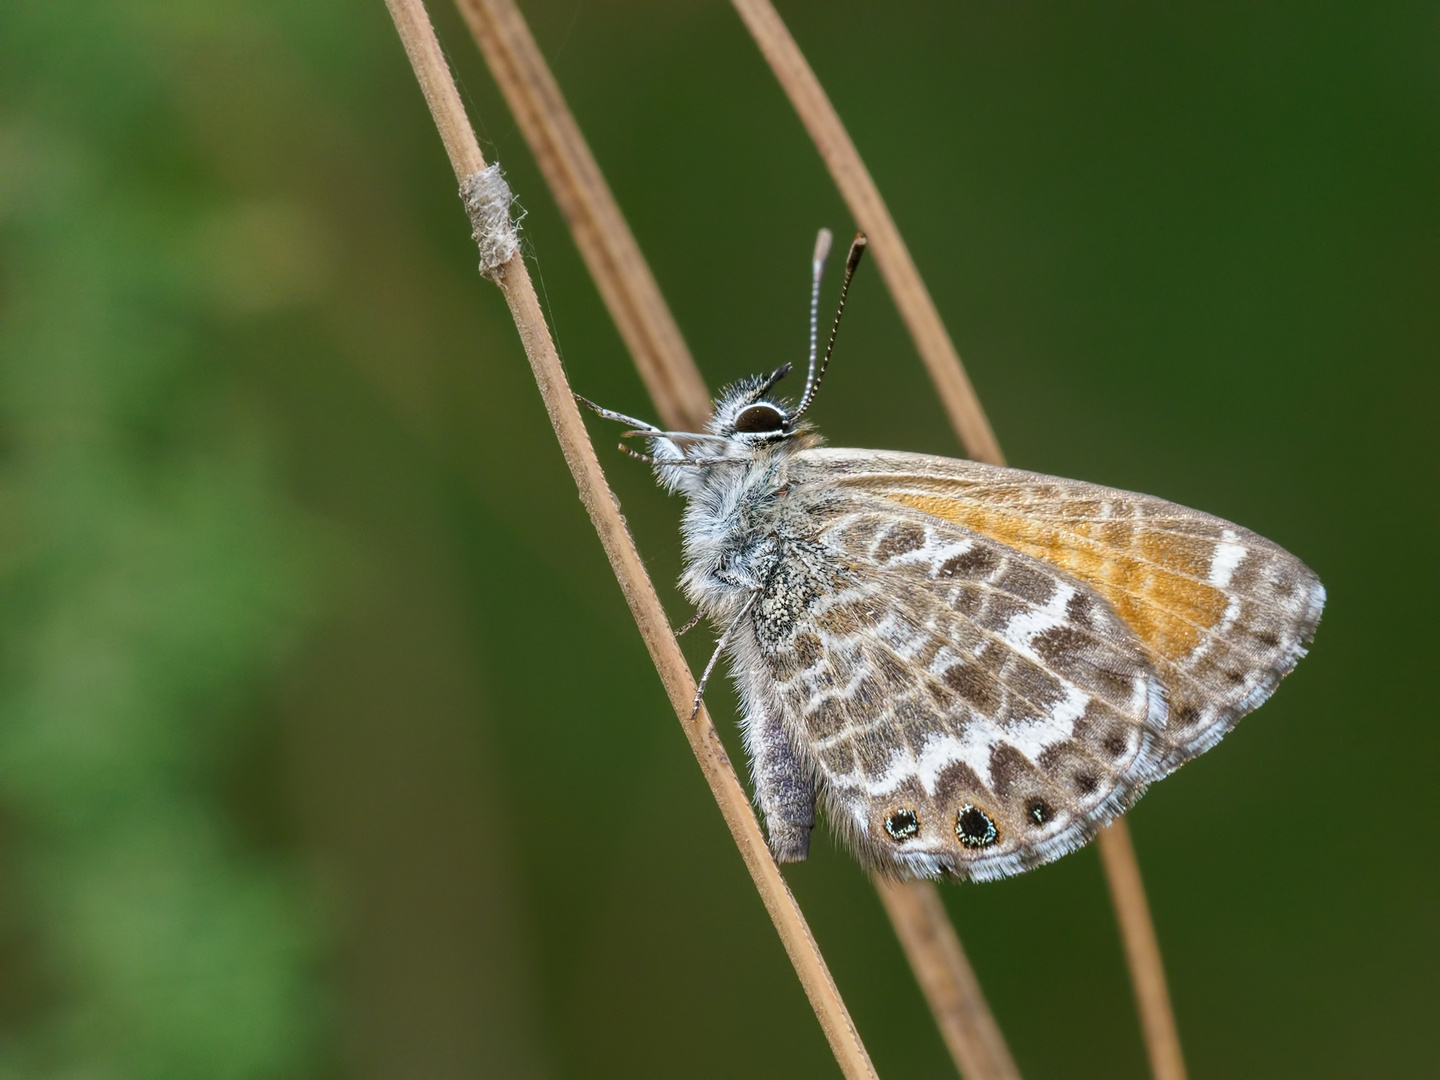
[(823, 239), (852, 260)]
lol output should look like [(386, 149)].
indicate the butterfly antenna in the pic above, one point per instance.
[(852, 260), (823, 240)]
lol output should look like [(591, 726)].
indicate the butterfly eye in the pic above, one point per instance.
[(760, 417)]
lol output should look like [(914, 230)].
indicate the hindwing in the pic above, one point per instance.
[(966, 709)]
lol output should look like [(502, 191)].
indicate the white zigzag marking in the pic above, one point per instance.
[(1034, 736), (1228, 556), (844, 693), (973, 748), (1020, 631), (945, 659), (939, 753), (902, 638)]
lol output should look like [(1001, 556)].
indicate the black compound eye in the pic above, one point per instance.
[(974, 827), (760, 417), (902, 824)]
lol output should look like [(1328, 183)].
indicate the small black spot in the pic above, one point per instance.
[(1086, 783), (902, 824), (1116, 744), (1267, 638), (1186, 715), (1038, 811), (974, 827)]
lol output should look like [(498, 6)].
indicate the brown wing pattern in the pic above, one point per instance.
[(1222, 613), (967, 709)]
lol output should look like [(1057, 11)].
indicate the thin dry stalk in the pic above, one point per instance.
[(1157, 1018), (1142, 952), (933, 949), (413, 24), (600, 230), (888, 249), (680, 397)]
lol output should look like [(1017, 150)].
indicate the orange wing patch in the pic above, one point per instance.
[(1153, 580)]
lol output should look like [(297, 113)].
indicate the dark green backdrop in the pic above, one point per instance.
[(327, 746)]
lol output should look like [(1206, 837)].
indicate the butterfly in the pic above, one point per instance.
[(969, 668)]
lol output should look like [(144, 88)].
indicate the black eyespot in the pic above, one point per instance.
[(974, 827), (762, 416), (902, 824), (1038, 811)]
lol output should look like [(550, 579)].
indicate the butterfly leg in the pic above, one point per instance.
[(782, 786), (621, 418), (725, 639)]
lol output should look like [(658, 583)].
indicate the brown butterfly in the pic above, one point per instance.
[(970, 668)]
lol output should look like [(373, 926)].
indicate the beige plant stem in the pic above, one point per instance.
[(871, 215), (1157, 1019), (639, 310), (413, 24), (933, 949), (600, 230), (1142, 953)]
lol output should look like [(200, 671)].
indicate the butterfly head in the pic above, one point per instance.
[(748, 416), (748, 411)]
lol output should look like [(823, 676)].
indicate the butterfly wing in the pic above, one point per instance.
[(966, 710), (980, 680), (1223, 613)]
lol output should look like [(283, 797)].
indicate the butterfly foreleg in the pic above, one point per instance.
[(720, 646), (690, 624)]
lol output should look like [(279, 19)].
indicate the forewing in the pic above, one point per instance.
[(967, 709), (1223, 613)]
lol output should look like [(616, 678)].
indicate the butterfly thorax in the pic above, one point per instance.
[(741, 513)]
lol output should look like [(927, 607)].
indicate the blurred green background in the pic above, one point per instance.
[(327, 746)]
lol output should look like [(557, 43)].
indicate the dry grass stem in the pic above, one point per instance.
[(635, 303), (417, 35), (950, 986), (600, 230), (1142, 952), (871, 215), (412, 23), (1122, 870)]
